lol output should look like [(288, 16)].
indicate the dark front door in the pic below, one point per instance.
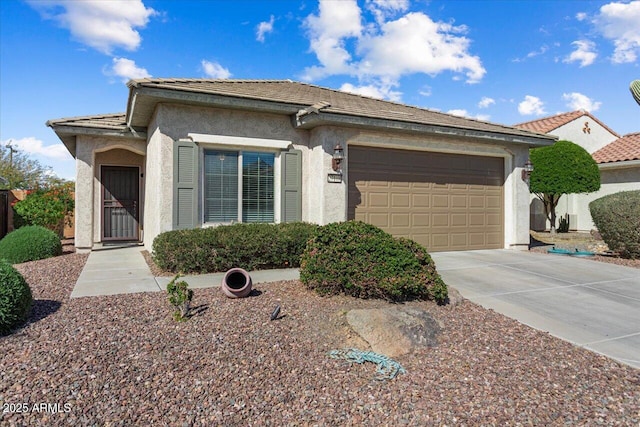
[(120, 196)]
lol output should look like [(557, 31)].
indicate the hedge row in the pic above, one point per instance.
[(216, 249)]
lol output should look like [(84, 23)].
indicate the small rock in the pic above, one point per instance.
[(454, 298)]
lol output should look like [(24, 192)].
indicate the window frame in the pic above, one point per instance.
[(240, 150)]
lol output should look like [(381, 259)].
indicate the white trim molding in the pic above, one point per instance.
[(239, 141)]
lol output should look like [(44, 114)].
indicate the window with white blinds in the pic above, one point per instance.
[(225, 172)]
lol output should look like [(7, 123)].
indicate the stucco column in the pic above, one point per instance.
[(84, 197), (520, 222), (327, 200)]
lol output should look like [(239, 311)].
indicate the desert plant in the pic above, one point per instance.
[(563, 224), (247, 246), (180, 297), (617, 217), (45, 207), (15, 298), (363, 261), (30, 243), (561, 168)]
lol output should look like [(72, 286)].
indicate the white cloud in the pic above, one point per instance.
[(373, 91), (416, 44), (533, 54), (383, 9), (214, 70), (581, 16), (465, 113), (619, 23), (578, 101), (485, 102), (380, 53), (458, 112), (102, 25), (263, 28), (584, 53), (327, 32), (425, 91), (32, 145), (127, 70), (531, 105)]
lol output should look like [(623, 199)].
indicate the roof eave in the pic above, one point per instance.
[(322, 119), (143, 100), (68, 134), (620, 164)]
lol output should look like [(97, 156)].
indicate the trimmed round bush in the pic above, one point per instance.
[(15, 298), (361, 260), (617, 217), (246, 246), (30, 243)]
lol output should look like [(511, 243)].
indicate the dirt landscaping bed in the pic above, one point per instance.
[(122, 360), (543, 241)]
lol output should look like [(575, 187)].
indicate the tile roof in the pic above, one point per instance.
[(548, 124), (622, 149), (116, 121), (304, 95)]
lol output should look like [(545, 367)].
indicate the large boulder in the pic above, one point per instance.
[(394, 331)]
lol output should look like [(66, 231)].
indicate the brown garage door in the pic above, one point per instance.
[(445, 202)]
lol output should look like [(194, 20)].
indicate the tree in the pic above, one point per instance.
[(21, 172), (46, 207), (561, 168)]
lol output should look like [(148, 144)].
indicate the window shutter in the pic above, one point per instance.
[(291, 185), (185, 185)]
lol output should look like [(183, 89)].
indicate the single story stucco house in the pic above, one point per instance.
[(197, 152), (618, 159)]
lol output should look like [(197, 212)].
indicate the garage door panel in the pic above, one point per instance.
[(442, 201), (440, 220), (459, 220), (400, 200), (400, 220)]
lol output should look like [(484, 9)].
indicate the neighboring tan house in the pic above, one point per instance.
[(582, 128), (194, 153)]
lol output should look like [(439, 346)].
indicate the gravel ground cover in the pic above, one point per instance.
[(122, 360)]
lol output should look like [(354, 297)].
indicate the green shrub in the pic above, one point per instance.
[(46, 208), (363, 261), (247, 246), (617, 217), (30, 243), (15, 298), (180, 297)]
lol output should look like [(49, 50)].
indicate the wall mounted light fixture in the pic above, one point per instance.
[(526, 171), (338, 158)]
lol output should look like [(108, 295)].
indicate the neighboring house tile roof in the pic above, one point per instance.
[(116, 121), (548, 124), (304, 95), (620, 150)]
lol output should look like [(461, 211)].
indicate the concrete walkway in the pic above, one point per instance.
[(591, 304), (123, 270)]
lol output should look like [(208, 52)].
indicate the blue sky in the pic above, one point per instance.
[(502, 61)]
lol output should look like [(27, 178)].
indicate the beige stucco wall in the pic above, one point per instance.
[(89, 150), (597, 137), (322, 202), (173, 122)]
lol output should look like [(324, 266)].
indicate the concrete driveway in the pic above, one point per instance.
[(592, 304)]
